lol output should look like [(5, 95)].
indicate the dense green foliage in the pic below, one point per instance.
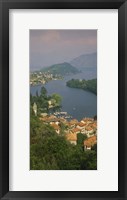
[(42, 100), (61, 69), (57, 99), (90, 85), (80, 139), (49, 151)]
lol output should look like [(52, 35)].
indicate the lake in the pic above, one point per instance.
[(76, 102)]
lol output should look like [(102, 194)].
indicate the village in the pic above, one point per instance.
[(37, 78), (72, 127)]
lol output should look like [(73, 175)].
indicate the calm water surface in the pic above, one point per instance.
[(76, 102)]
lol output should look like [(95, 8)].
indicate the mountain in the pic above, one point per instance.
[(61, 68), (85, 61)]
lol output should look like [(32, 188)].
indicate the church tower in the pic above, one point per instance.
[(35, 108)]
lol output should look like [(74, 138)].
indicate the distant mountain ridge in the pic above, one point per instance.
[(61, 68), (85, 61)]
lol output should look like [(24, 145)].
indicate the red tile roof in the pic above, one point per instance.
[(55, 126), (75, 130), (71, 136), (81, 124), (88, 128), (90, 141)]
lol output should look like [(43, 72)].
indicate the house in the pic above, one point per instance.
[(88, 143), (51, 103), (56, 127), (50, 119), (81, 125), (54, 120), (72, 123), (44, 114), (75, 130), (72, 138), (63, 120), (87, 120), (94, 125), (83, 131), (83, 121), (89, 131), (43, 118)]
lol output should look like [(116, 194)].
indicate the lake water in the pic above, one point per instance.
[(76, 102)]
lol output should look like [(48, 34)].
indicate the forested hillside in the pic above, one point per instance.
[(90, 85)]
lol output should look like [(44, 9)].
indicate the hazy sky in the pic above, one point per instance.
[(49, 47)]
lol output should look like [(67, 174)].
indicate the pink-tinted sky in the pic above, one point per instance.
[(49, 47)]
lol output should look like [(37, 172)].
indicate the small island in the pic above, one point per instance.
[(89, 85)]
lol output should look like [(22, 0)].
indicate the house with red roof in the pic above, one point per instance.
[(90, 142), (72, 138), (56, 127)]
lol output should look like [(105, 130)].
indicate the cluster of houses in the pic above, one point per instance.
[(87, 126), (42, 77)]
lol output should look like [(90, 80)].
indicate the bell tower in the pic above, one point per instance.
[(35, 108)]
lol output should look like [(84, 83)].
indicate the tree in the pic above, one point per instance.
[(94, 147), (90, 85), (89, 160), (80, 139), (95, 117), (43, 92), (57, 98), (37, 93)]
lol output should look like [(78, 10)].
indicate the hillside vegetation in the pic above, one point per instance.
[(61, 69), (49, 151), (90, 85)]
